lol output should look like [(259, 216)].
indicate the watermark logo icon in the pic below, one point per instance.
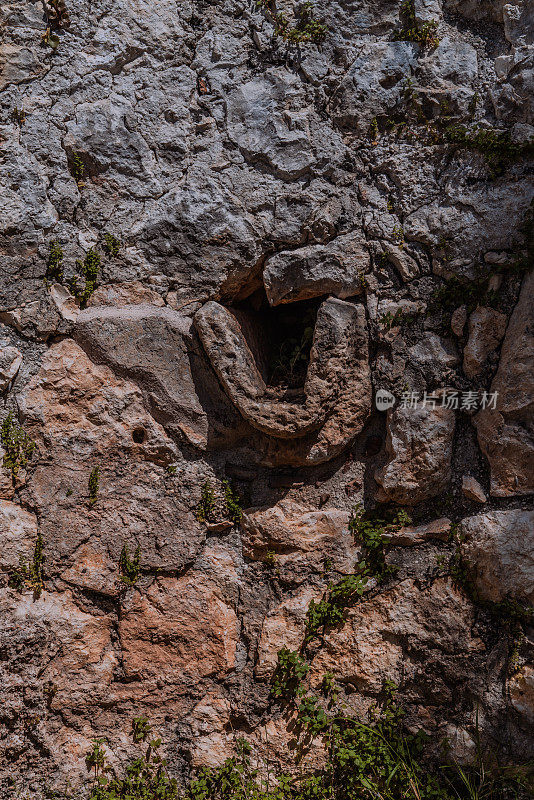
[(384, 400)]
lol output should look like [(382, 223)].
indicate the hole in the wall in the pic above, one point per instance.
[(139, 435), (280, 338)]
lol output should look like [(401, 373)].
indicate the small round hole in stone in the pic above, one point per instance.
[(139, 435)]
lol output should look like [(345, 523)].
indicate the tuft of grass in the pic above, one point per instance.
[(18, 447), (112, 245), (54, 264), (305, 28), (205, 511), (30, 575), (425, 34), (129, 568), (233, 503), (88, 268), (290, 671)]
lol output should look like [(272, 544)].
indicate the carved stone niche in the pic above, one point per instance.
[(300, 426)]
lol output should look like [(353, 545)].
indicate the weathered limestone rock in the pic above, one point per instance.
[(521, 688), (458, 320), (374, 82), (179, 631), (18, 533), (10, 361), (336, 390), (472, 489), (81, 416), (125, 294), (209, 722), (506, 433), (435, 350), (406, 266), (486, 329), (149, 345), (384, 637), (54, 650), (299, 538), (499, 548), (285, 626), (335, 268), (267, 123), (419, 446), (417, 534), (41, 319)]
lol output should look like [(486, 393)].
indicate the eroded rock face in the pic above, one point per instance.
[(486, 329), (179, 631), (151, 346), (506, 433), (18, 534), (499, 549), (224, 170), (336, 268), (336, 392), (299, 538), (419, 447), (83, 416), (363, 654)]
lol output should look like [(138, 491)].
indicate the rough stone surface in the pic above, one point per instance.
[(336, 268), (499, 546), (232, 186), (419, 446), (506, 433), (472, 489), (18, 532), (299, 539), (336, 392), (486, 329)]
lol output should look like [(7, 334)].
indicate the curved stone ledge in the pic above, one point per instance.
[(337, 390)]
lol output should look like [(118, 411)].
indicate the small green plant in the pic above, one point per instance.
[(89, 270), (54, 264), (206, 508), (77, 168), (94, 483), (374, 536), (18, 116), (232, 500), (129, 568), (145, 778), (112, 245), (456, 292), (398, 236), (330, 611), (270, 558), (425, 34), (140, 729), (491, 142), (49, 39), (290, 671), (304, 29), (18, 447), (392, 320), (30, 576), (373, 131)]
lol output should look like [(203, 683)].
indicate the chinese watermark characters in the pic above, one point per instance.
[(449, 398), (457, 401)]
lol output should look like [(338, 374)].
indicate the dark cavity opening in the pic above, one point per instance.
[(280, 338), (139, 435)]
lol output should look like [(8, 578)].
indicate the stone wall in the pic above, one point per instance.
[(215, 248)]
